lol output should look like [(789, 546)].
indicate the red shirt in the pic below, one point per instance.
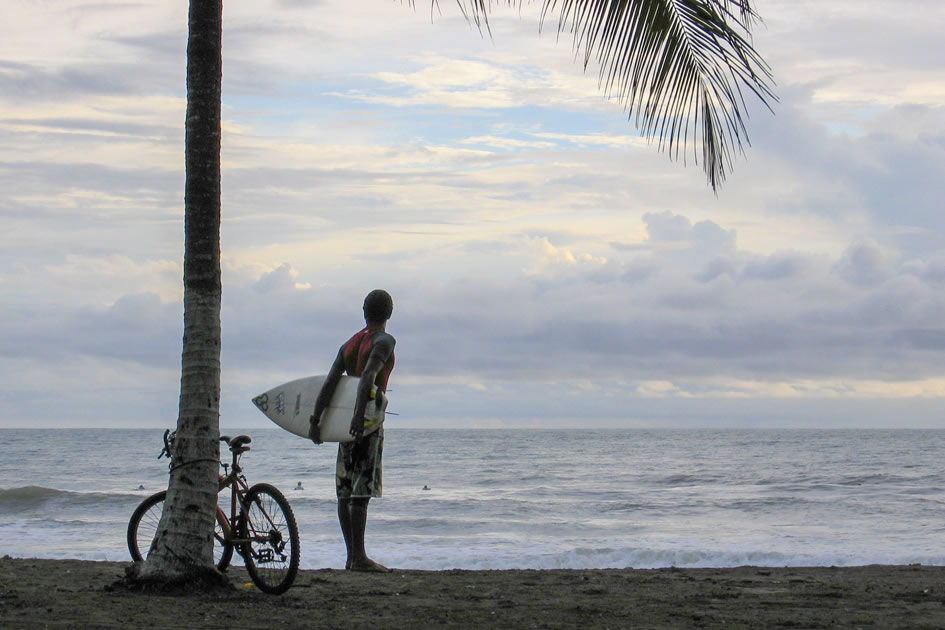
[(358, 349)]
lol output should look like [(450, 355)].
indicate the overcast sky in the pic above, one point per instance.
[(549, 267)]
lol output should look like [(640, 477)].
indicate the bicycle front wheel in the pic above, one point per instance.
[(271, 547), (144, 523)]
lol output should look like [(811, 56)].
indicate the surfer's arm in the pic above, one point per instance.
[(380, 353), (325, 394)]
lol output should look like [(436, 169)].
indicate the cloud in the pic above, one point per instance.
[(281, 278), (137, 328), (666, 226), (621, 141), (507, 143), (27, 82), (551, 256), (864, 263)]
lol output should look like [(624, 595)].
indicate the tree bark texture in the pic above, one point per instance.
[(184, 541)]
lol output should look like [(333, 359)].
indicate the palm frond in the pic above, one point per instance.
[(680, 67)]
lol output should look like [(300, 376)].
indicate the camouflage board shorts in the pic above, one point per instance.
[(358, 470)]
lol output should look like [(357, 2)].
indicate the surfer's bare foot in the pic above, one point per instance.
[(368, 566)]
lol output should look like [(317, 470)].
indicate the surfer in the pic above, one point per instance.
[(369, 355), (299, 486)]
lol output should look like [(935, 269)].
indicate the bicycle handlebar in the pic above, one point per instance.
[(167, 443)]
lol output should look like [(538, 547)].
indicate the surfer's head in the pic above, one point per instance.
[(378, 306)]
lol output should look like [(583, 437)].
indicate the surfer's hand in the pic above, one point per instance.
[(314, 431), (357, 427), (379, 399)]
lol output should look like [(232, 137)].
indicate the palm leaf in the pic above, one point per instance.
[(678, 66)]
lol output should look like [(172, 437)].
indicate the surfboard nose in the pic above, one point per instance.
[(262, 402)]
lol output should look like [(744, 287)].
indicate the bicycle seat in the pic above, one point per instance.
[(239, 441)]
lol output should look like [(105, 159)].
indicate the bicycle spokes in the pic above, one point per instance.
[(270, 538), (271, 549)]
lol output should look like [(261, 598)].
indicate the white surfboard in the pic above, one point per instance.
[(291, 404)]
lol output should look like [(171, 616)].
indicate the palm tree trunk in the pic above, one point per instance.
[(183, 544)]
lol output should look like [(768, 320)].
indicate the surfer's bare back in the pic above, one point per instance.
[(368, 355)]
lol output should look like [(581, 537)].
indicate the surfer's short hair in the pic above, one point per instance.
[(378, 306)]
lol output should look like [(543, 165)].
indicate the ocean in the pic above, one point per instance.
[(502, 499)]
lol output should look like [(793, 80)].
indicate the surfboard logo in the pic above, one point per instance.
[(262, 402), (280, 403)]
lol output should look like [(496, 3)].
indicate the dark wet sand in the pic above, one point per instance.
[(72, 594)]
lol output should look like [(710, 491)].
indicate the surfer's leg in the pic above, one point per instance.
[(344, 519), (358, 524), (359, 561), (343, 492), (362, 481)]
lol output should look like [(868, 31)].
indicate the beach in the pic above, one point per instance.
[(39, 593)]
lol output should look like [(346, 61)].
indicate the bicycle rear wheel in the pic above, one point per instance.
[(271, 550), (144, 523)]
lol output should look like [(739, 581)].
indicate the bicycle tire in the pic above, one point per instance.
[(271, 552), (144, 523)]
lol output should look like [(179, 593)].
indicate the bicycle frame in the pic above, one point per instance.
[(236, 481), (238, 485)]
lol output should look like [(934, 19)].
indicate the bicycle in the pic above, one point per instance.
[(263, 531)]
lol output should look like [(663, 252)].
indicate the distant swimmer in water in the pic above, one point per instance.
[(426, 487), (299, 487), (140, 487)]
